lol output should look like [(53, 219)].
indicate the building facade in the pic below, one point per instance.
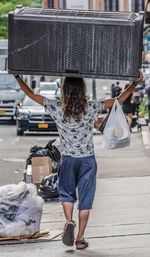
[(3, 54), (108, 5)]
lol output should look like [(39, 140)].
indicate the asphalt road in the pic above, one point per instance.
[(111, 163)]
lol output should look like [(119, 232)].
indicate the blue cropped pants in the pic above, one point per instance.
[(77, 180)]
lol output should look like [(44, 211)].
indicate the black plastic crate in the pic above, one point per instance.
[(75, 43)]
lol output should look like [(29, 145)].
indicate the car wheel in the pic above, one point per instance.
[(20, 132)]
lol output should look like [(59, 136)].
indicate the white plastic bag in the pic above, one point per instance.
[(20, 210), (116, 132)]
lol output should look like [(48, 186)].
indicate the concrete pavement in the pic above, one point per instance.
[(146, 137), (119, 224)]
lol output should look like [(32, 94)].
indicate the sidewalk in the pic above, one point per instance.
[(146, 137), (119, 224)]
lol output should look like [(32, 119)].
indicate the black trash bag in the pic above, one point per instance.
[(49, 187), (49, 150)]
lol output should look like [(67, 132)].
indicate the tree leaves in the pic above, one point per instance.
[(6, 6)]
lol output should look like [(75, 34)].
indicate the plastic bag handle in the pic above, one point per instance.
[(118, 132)]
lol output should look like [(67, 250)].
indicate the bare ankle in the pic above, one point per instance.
[(79, 237)]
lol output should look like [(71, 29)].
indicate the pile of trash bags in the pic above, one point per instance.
[(20, 210), (49, 150), (49, 185)]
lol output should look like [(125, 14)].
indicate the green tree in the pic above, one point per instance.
[(6, 6)]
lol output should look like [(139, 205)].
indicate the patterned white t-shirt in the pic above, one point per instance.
[(76, 137)]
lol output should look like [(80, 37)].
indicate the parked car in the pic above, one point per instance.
[(10, 96), (48, 88), (31, 116), (58, 81)]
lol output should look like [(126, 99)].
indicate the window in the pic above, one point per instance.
[(50, 4), (137, 5), (111, 5), (4, 51)]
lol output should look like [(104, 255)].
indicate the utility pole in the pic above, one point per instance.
[(94, 89)]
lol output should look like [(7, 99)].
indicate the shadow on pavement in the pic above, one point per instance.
[(8, 122), (85, 252)]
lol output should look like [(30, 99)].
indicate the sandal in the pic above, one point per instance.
[(81, 244), (68, 234)]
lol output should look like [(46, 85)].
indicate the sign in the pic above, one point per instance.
[(77, 4)]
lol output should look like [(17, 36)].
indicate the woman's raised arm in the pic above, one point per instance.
[(108, 103), (27, 90)]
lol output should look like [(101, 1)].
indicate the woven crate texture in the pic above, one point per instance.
[(75, 43)]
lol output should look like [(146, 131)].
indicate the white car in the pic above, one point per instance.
[(10, 95), (48, 88)]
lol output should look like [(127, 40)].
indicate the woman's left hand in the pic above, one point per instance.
[(140, 77)]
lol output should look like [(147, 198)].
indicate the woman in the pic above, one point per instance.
[(74, 116)]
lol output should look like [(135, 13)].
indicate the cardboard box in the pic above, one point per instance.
[(28, 175), (41, 167)]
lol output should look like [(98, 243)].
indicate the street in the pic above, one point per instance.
[(15, 150), (119, 222), (111, 163)]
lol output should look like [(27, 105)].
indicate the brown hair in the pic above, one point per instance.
[(73, 97)]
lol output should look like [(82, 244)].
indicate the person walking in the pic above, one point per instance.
[(147, 92), (127, 108), (115, 89), (74, 115)]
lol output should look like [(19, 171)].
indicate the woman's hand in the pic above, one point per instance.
[(125, 94), (16, 75), (139, 78)]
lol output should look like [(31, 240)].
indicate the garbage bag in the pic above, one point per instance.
[(49, 150), (116, 132), (49, 187), (20, 210)]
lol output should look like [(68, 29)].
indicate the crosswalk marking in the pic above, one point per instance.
[(14, 160)]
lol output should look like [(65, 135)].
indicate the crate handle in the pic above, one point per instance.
[(73, 71)]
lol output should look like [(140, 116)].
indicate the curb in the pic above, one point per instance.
[(146, 139)]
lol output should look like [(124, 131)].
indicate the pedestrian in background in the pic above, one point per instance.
[(74, 116), (147, 91), (127, 107), (115, 90), (111, 88)]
